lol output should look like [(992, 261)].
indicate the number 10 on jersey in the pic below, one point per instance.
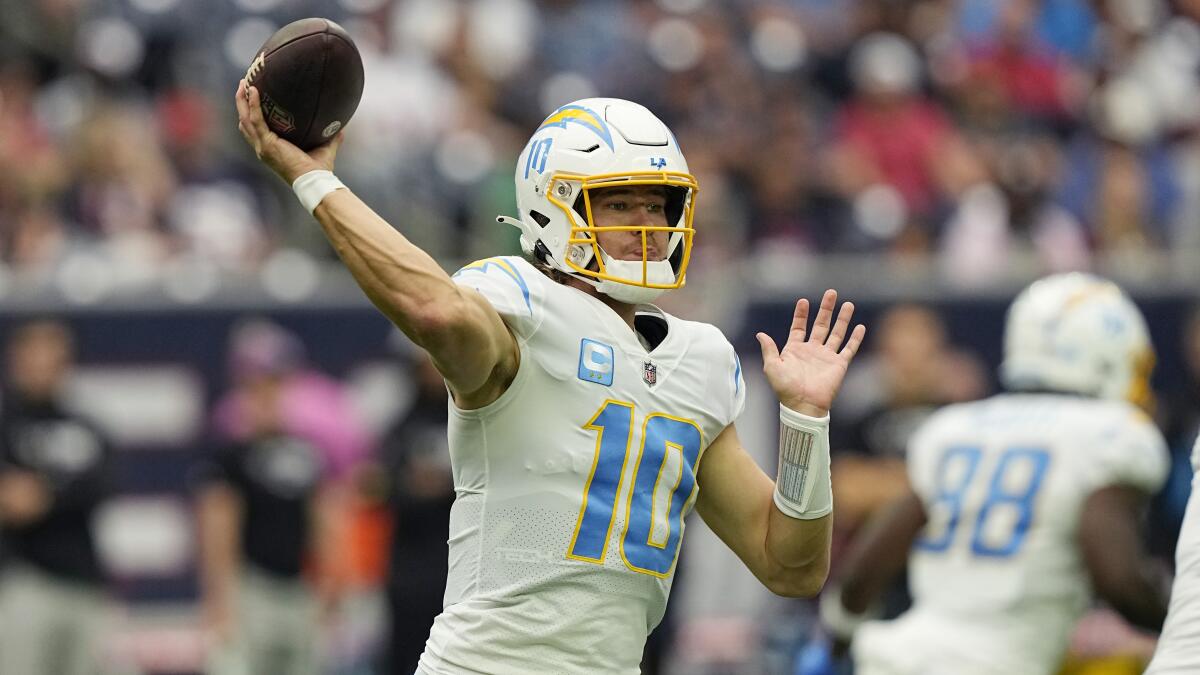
[(660, 488)]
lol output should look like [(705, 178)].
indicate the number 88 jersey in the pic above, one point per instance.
[(997, 578), (572, 487)]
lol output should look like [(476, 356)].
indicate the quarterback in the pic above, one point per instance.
[(586, 423), (1021, 504)]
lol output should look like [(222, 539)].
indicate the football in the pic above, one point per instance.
[(309, 76)]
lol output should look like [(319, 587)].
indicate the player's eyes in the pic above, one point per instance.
[(621, 205)]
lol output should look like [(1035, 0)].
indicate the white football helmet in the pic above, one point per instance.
[(1078, 333), (592, 144)]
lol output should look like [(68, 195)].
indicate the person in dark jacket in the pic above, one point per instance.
[(53, 477), (271, 506), (415, 462)]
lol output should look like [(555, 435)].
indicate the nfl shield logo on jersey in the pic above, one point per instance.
[(650, 373)]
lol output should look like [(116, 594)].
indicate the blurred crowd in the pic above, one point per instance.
[(978, 133)]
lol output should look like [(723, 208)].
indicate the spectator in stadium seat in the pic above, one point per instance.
[(33, 174), (1028, 74), (271, 506), (1119, 179), (53, 476), (122, 186), (893, 143), (219, 210)]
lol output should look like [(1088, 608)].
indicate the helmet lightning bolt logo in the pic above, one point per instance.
[(576, 114)]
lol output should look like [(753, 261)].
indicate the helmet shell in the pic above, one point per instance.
[(1078, 333), (590, 144)]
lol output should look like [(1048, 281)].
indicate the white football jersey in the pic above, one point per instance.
[(997, 578), (573, 486), (1178, 650)]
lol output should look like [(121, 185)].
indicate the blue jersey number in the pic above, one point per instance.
[(654, 506), (1012, 488)]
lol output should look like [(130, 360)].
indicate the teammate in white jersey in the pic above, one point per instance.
[(1021, 504), (1178, 651), (585, 423)]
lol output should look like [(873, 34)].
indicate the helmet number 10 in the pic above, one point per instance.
[(538, 152)]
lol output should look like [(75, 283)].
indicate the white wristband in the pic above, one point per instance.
[(803, 488), (314, 186)]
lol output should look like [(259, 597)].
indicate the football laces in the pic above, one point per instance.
[(259, 62)]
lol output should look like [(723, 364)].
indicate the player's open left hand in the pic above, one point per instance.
[(284, 158), (807, 374)]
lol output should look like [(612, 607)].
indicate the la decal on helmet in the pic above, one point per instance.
[(592, 144)]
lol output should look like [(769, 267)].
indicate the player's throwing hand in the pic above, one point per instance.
[(807, 374), (284, 158)]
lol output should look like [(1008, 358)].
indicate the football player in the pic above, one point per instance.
[(1021, 504), (585, 423), (1178, 650)]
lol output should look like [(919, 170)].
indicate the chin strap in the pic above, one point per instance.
[(659, 272)]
